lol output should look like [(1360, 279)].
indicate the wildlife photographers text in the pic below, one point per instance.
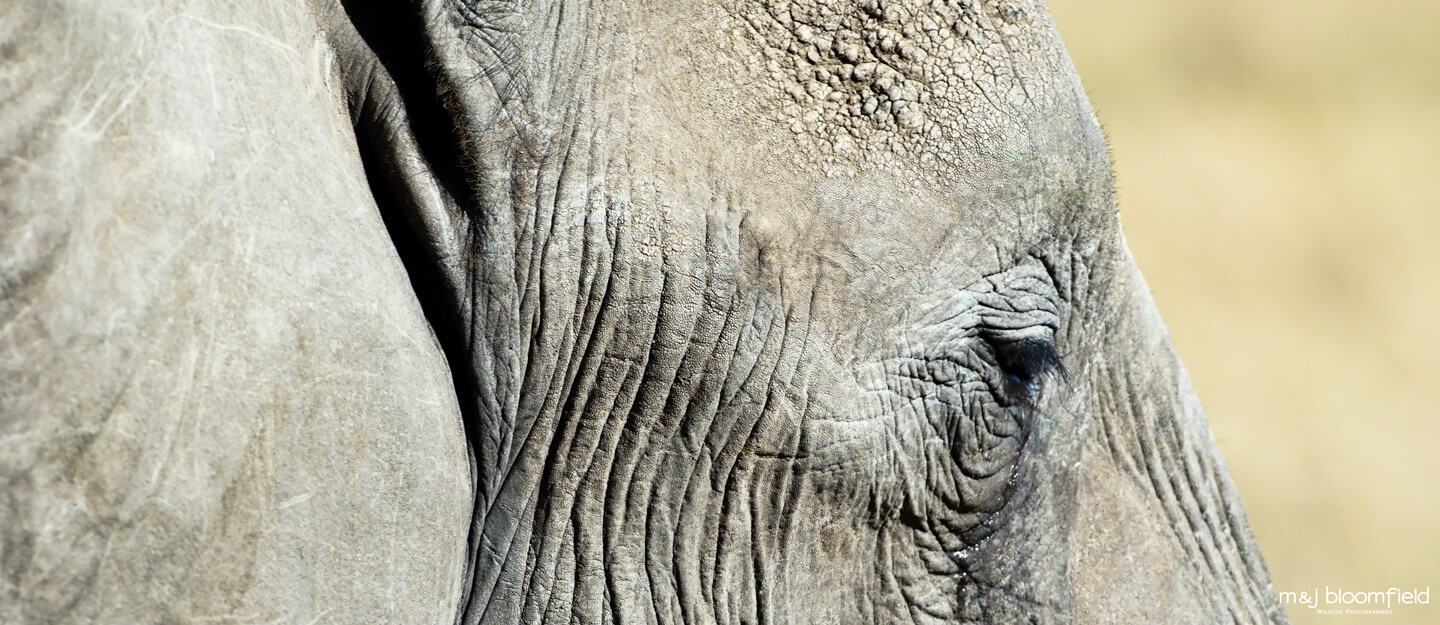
[(1367, 602)]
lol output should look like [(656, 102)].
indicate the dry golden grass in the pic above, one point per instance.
[(1278, 168)]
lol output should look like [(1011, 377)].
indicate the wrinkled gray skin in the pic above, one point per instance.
[(600, 312)]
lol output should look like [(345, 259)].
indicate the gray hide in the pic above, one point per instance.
[(583, 312)]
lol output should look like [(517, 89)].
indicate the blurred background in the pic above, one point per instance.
[(1278, 166)]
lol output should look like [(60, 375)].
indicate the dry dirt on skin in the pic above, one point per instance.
[(1279, 179)]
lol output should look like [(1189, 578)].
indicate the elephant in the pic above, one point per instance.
[(484, 311)]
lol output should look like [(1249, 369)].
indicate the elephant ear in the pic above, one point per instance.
[(218, 394)]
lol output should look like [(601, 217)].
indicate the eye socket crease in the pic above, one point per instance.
[(1024, 360)]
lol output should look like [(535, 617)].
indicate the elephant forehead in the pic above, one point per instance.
[(858, 119), (933, 85)]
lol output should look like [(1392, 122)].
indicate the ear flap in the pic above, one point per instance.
[(217, 393)]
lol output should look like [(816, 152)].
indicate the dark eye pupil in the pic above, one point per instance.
[(1023, 361), (1025, 358)]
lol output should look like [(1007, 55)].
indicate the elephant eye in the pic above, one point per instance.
[(1023, 361)]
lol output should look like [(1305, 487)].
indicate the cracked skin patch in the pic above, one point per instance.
[(942, 79)]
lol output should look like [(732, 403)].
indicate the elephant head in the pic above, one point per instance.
[(754, 311), (810, 311)]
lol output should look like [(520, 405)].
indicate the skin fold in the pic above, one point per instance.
[(599, 312)]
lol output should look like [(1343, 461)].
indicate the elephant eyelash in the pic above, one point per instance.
[(1023, 362)]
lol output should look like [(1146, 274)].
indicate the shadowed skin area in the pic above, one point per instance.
[(753, 312)]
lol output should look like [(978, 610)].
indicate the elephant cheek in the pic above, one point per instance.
[(1122, 566)]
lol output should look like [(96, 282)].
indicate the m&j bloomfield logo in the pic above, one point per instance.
[(1341, 601)]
